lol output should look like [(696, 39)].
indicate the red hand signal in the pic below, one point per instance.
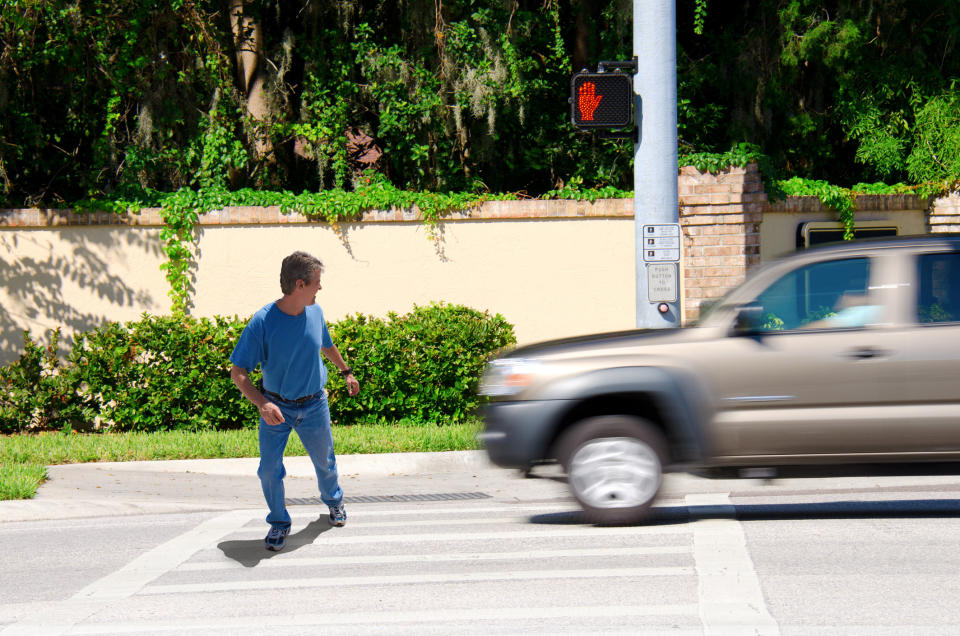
[(588, 100)]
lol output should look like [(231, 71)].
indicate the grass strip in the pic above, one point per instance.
[(23, 457), (20, 481)]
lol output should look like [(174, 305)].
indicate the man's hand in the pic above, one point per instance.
[(271, 414), (353, 387), (269, 411), (333, 355)]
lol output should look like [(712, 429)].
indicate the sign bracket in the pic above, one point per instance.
[(630, 66), (620, 134)]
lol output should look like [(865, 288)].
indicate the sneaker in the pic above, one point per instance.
[(276, 538), (338, 515)]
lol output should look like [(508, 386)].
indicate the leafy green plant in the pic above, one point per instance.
[(834, 197), (933, 313), (172, 373), (574, 190), (421, 366), (935, 156), (36, 392), (771, 322), (740, 155), (820, 313), (160, 373)]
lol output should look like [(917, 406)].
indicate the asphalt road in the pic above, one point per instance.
[(446, 544)]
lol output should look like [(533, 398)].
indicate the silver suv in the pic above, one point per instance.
[(843, 355)]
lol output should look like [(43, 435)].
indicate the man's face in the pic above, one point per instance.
[(309, 289)]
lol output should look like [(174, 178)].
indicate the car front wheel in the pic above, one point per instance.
[(614, 467)]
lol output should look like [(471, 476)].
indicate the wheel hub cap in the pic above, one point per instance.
[(614, 472)]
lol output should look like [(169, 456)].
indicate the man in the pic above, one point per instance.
[(286, 338)]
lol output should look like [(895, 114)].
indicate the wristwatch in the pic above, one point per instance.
[(346, 372)]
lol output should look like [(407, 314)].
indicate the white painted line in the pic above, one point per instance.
[(731, 599), (524, 532), (415, 579), (432, 508), (353, 522), (132, 577), (430, 617), (294, 562), (128, 580)]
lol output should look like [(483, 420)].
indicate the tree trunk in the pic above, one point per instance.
[(251, 78)]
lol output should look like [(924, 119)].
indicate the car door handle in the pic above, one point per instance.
[(865, 353)]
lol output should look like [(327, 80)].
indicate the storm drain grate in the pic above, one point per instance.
[(442, 496)]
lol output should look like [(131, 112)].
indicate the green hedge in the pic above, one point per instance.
[(172, 373)]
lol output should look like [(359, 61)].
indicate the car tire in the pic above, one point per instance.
[(614, 466)]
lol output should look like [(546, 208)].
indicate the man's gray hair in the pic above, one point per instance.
[(298, 266)]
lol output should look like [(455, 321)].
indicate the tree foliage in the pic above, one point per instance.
[(124, 98), (845, 90)]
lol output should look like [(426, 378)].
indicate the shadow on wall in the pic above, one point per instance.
[(34, 275)]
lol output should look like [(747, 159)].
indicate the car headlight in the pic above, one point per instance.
[(508, 376)]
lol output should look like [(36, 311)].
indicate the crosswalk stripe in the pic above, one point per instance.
[(438, 558), (406, 523), (389, 510), (729, 588), (416, 579), (522, 533), (154, 563), (126, 581), (559, 507), (435, 617)]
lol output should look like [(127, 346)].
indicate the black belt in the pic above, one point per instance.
[(305, 398)]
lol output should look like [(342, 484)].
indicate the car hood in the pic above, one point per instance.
[(597, 343)]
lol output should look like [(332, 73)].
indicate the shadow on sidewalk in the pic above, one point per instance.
[(250, 553)]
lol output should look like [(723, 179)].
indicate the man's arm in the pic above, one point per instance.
[(269, 411), (333, 355)]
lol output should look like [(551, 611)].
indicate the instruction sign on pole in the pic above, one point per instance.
[(662, 283), (661, 243)]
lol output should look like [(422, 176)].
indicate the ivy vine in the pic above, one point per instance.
[(842, 200), (181, 210)]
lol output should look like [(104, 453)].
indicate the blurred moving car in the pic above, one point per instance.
[(840, 355)]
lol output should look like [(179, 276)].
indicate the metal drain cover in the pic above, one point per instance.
[(443, 496)]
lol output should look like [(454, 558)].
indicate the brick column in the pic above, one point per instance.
[(944, 214), (720, 219)]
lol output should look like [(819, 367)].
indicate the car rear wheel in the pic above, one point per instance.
[(614, 467)]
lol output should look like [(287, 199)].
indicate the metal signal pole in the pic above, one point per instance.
[(655, 199)]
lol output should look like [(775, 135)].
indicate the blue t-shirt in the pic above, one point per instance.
[(287, 348)]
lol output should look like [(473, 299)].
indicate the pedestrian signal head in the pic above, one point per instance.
[(601, 100)]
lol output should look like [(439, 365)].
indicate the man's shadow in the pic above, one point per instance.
[(252, 552)]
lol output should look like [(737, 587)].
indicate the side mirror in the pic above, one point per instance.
[(748, 321)]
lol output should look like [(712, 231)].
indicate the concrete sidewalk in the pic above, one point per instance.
[(123, 488)]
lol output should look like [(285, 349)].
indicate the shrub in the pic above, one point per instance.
[(35, 392), (172, 373), (160, 373), (422, 366)]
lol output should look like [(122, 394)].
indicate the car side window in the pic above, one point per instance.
[(826, 295), (938, 299)]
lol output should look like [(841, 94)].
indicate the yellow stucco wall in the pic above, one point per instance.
[(550, 277), (76, 278), (552, 268)]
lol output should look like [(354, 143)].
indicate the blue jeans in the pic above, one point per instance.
[(311, 421)]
